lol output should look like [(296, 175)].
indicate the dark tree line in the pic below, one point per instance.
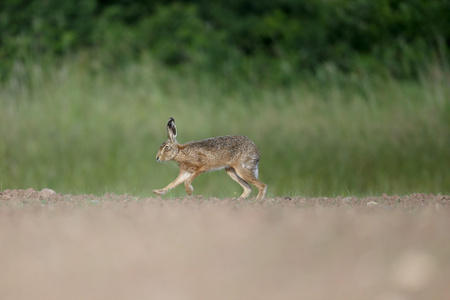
[(279, 36)]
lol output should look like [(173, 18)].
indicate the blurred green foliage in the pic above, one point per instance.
[(341, 96), (77, 131), (274, 39)]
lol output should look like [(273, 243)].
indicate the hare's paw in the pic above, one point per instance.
[(159, 192)]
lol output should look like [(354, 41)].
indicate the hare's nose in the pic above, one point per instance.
[(157, 158)]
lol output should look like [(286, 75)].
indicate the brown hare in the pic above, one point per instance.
[(238, 155)]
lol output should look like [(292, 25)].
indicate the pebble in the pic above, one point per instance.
[(45, 193)]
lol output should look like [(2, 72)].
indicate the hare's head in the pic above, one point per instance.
[(169, 149)]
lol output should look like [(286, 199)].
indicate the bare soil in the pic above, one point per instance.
[(59, 246)]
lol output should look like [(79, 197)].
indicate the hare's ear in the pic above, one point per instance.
[(171, 129)]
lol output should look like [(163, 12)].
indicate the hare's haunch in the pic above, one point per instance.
[(238, 155)]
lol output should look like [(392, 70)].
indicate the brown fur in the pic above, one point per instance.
[(238, 155)]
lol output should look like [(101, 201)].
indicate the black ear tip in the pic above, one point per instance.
[(171, 119)]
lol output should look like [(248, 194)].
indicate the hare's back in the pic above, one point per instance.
[(234, 145), (220, 152)]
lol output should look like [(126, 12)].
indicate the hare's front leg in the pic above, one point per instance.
[(180, 179), (187, 184), (159, 192)]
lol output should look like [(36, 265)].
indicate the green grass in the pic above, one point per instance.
[(76, 130)]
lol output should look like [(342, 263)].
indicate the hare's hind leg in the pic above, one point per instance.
[(247, 187), (249, 176)]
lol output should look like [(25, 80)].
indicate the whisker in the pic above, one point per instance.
[(173, 164)]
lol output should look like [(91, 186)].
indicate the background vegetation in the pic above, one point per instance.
[(342, 97), (271, 40)]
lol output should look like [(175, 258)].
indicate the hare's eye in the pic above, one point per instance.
[(167, 148)]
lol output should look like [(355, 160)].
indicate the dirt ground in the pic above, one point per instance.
[(57, 246)]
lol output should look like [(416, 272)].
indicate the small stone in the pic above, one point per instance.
[(372, 204), (45, 193), (347, 200)]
